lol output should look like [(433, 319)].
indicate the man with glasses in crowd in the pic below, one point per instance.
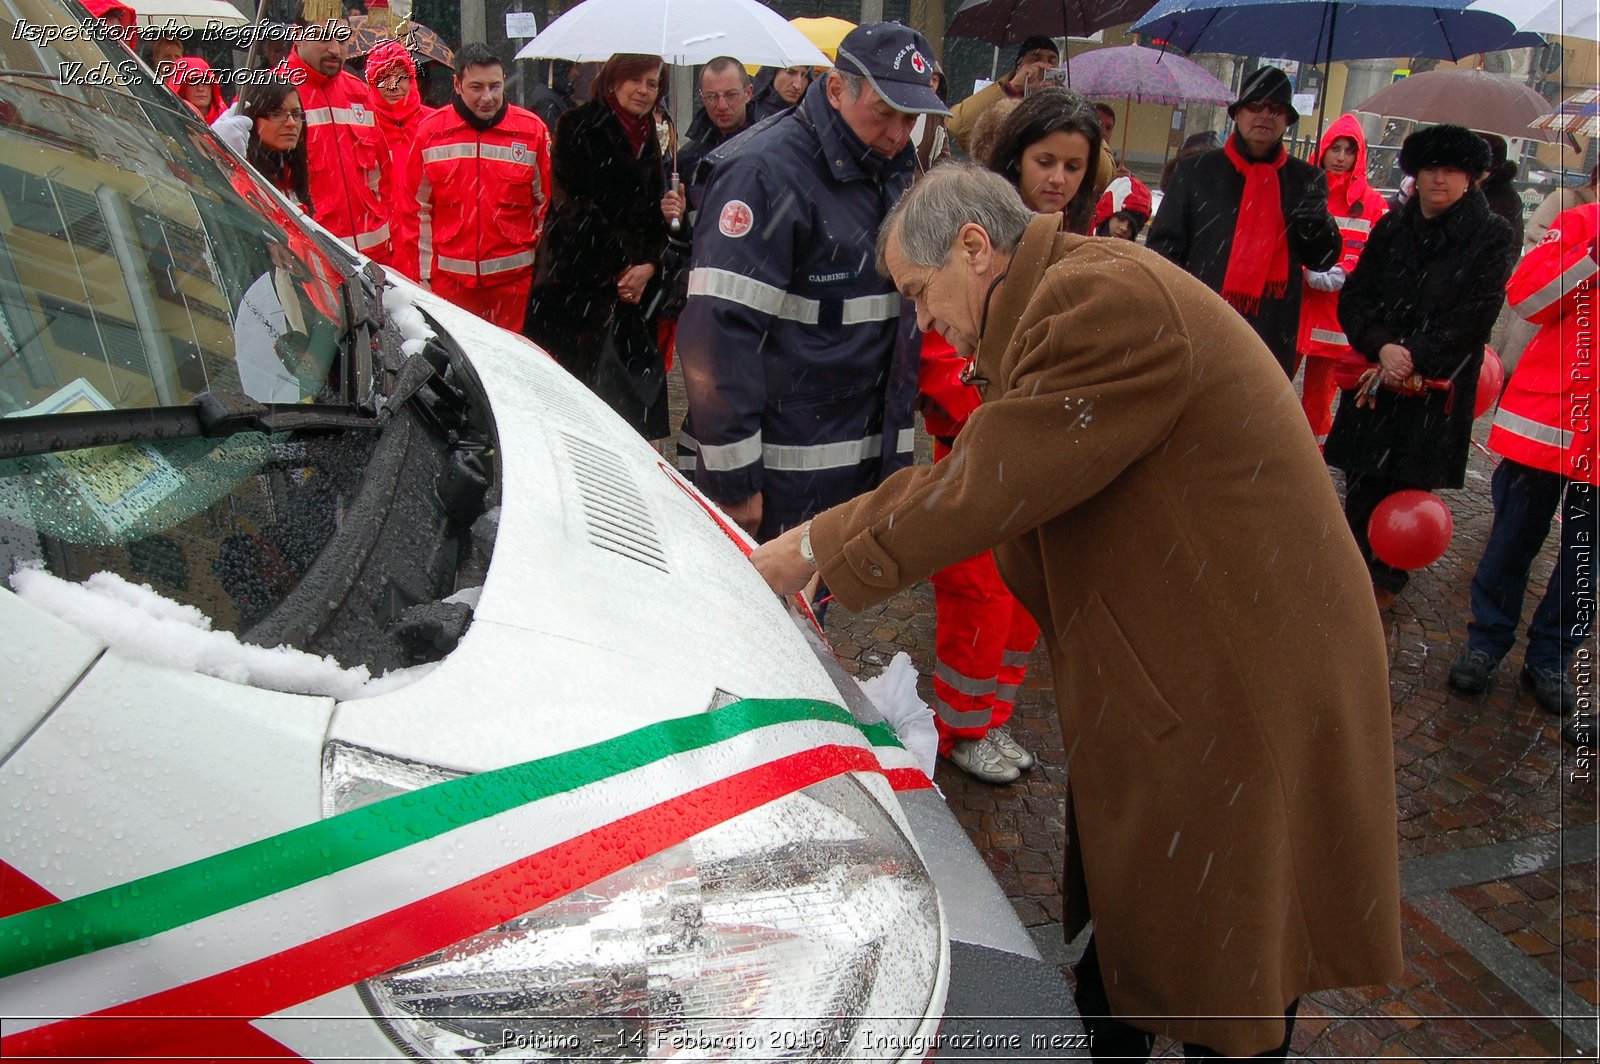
[(345, 151), (473, 195), (1247, 217)]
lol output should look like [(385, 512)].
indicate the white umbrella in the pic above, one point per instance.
[(191, 14), (1565, 18), (683, 32)]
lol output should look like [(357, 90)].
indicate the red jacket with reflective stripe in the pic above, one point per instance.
[(945, 399), (472, 203), (1546, 417), (346, 155), (1356, 207)]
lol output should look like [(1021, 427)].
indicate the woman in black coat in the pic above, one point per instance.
[(600, 257), (1419, 305)]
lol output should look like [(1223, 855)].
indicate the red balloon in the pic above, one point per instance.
[(1410, 529), (1491, 378)]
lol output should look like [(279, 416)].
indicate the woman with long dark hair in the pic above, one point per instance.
[(600, 258), (277, 143), (1049, 148)]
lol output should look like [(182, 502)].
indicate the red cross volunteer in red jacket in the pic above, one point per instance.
[(1545, 431), (345, 149), (475, 190), (1356, 208)]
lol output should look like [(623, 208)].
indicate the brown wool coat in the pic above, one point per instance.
[(1153, 496)]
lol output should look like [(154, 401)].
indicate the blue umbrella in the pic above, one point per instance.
[(1318, 31)]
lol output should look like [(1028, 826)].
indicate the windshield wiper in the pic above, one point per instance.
[(213, 414)]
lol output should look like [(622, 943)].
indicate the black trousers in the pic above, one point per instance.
[(1362, 494), (1111, 1039)]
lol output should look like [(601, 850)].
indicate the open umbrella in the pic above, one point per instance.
[(1317, 31), (682, 32), (1002, 22), (190, 14), (1320, 31), (419, 40), (1476, 99), (1133, 72), (1562, 18), (1575, 114), (825, 33)]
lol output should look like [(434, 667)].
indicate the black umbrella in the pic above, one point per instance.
[(1002, 22)]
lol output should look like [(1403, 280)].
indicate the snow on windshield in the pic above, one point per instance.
[(136, 621)]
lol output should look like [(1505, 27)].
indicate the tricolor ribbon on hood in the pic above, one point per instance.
[(257, 929)]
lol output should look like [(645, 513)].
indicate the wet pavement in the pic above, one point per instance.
[(1497, 832), (1497, 828)]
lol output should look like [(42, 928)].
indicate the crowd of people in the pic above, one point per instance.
[(1122, 468)]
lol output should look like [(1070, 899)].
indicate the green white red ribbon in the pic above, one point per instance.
[(301, 914)]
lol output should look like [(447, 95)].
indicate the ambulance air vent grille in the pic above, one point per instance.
[(614, 511)]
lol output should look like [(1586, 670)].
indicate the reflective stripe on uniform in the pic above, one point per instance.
[(804, 459), (1330, 336), (794, 458), (955, 718), (1015, 658), (1006, 692), (441, 152), (768, 299), (1552, 293), (962, 683), (504, 154), (486, 267), (1530, 429), (728, 456), (1355, 225), (372, 239), (338, 116)]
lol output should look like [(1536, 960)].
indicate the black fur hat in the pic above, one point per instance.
[(1454, 146)]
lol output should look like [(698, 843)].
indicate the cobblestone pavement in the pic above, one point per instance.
[(1497, 831)]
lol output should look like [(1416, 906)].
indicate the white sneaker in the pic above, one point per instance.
[(981, 759), (1010, 749)]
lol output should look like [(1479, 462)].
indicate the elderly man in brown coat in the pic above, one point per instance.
[(1143, 473)]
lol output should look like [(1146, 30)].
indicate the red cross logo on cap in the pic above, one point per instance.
[(919, 64)]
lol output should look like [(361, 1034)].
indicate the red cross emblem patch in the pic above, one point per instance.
[(518, 150), (919, 64), (736, 219)]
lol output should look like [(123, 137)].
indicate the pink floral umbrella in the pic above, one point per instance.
[(1147, 75)]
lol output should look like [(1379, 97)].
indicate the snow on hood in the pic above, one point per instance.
[(135, 620)]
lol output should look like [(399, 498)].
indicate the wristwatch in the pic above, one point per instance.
[(805, 546)]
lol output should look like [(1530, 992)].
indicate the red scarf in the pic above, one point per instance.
[(636, 127), (1259, 262)]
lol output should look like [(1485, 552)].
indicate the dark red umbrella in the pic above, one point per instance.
[(1002, 22)]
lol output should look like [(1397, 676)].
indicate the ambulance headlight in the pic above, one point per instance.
[(805, 929)]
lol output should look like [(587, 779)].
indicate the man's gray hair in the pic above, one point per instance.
[(852, 82), (928, 217)]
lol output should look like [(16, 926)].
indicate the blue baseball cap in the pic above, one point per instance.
[(897, 62)]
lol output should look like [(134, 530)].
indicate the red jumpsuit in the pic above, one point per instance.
[(983, 637), (346, 156), (1356, 207), (472, 209)]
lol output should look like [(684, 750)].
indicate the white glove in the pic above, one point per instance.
[(1331, 281), (233, 127)]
